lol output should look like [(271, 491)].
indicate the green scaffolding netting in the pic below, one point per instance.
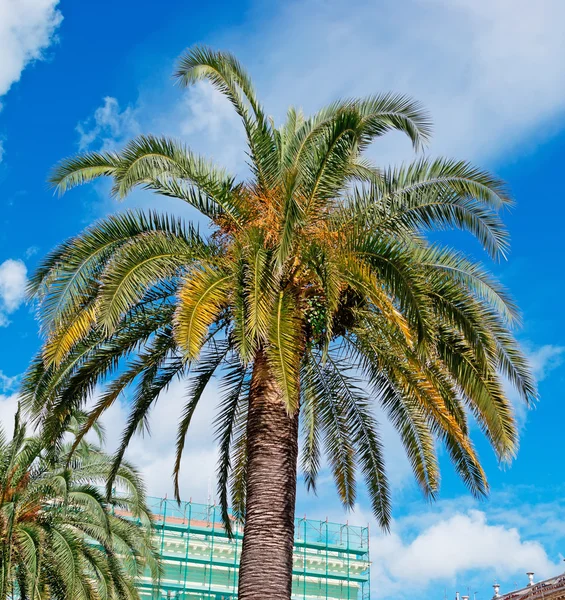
[(200, 562)]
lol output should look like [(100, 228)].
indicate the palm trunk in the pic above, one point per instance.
[(272, 450)]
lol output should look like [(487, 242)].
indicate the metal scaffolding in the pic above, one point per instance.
[(331, 560)]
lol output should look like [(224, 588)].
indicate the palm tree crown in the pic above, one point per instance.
[(317, 270), (60, 537)]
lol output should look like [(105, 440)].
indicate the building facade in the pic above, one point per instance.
[(548, 589), (200, 562)]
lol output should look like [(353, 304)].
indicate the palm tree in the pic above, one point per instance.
[(59, 536), (316, 297)]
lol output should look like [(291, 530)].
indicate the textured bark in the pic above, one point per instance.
[(272, 444)]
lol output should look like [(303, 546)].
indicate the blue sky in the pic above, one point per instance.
[(86, 75)]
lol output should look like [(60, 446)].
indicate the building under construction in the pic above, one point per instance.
[(200, 563)]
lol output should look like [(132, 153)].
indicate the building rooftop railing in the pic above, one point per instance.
[(308, 532)]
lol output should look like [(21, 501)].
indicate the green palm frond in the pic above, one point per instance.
[(239, 466), (394, 268), (259, 288), (82, 169), (283, 351), (363, 426), (66, 278), (374, 352), (57, 391), (388, 112), (157, 369), (202, 296), (483, 393), (310, 392), (227, 75), (339, 442), (158, 162), (235, 389), (138, 266), (448, 264), (210, 361), (435, 194)]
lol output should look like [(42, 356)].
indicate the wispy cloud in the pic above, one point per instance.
[(8, 384), (108, 126), (545, 359), (13, 279), (489, 72), (209, 123), (31, 251)]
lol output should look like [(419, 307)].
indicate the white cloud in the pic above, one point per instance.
[(208, 111), (153, 453), (489, 72), (478, 545), (13, 279), (108, 126), (209, 123), (8, 408), (27, 28), (462, 547), (545, 359), (543, 520), (8, 383)]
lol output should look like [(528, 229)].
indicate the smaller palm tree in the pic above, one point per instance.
[(59, 536)]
